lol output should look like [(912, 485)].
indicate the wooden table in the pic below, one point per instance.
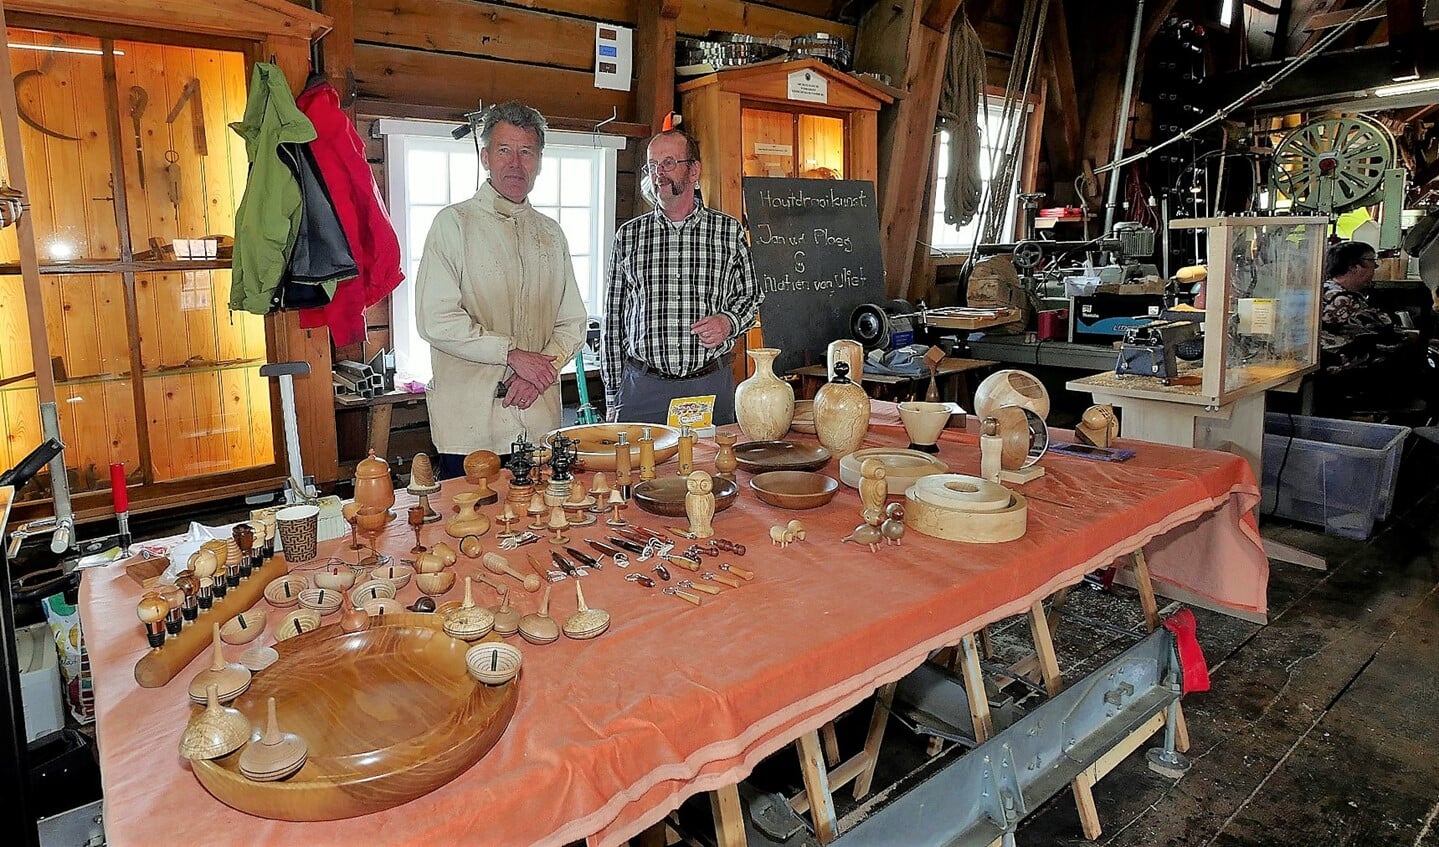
[(955, 372), (611, 735), (380, 411)]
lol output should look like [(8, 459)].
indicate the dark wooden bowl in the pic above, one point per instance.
[(666, 495), (763, 456)]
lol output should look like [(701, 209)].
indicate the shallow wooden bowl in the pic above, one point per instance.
[(493, 662), (396, 575), (285, 591), (666, 495), (764, 456), (296, 623), (400, 717), (794, 489), (338, 578), (901, 467), (244, 627), (596, 448), (435, 584), (326, 601), (370, 590)]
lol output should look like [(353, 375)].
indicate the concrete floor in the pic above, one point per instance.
[(1319, 728)]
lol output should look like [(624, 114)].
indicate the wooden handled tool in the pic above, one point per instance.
[(687, 564), (683, 595), (537, 569), (495, 563), (737, 571), (698, 586), (722, 579)]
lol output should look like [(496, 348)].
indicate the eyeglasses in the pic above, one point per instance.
[(1369, 262), (665, 165)]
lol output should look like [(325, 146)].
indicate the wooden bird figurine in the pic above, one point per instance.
[(700, 504)]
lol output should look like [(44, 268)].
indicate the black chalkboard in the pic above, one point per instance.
[(817, 254)]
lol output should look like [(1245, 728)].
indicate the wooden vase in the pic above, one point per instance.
[(764, 403), (841, 413), (373, 486), (469, 521), (725, 461)]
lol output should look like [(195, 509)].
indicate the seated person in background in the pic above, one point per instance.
[(1364, 355)]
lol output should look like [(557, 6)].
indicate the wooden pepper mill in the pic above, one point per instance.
[(647, 454), (623, 472), (991, 448), (687, 451)]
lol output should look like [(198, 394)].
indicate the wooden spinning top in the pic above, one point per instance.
[(355, 619), (538, 627), (586, 623), (215, 732), (276, 755), (507, 617), (229, 678), (469, 622)]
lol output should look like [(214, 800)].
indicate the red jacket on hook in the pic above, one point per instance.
[(340, 154)]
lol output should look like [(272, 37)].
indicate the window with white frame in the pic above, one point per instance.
[(946, 237), (428, 169)]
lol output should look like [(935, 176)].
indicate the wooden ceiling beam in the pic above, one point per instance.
[(939, 14)]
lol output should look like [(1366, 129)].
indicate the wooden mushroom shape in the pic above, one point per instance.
[(585, 623), (230, 678), (538, 627), (276, 755), (215, 732), (469, 622)]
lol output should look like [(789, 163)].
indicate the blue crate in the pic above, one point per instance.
[(1332, 473)]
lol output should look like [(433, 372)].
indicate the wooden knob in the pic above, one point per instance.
[(152, 609)]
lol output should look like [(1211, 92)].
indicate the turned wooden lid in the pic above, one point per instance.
[(372, 467)]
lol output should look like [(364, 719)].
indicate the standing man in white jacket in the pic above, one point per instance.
[(496, 299)]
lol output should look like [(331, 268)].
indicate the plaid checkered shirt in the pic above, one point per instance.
[(663, 276)]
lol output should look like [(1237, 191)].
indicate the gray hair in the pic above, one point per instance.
[(516, 113)]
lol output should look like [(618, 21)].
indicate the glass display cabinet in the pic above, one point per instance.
[(1261, 302)]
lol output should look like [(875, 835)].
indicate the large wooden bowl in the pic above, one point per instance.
[(596, 449), (390, 714), (666, 495), (901, 467), (763, 456), (794, 489)]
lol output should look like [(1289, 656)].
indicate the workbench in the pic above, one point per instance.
[(611, 735), (954, 376)]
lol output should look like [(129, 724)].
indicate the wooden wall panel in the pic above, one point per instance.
[(478, 29), (415, 77)]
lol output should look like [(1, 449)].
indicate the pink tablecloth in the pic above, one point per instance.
[(611, 734)]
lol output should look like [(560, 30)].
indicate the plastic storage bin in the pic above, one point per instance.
[(1337, 474)]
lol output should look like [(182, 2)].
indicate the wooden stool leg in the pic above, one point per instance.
[(974, 690), (816, 787), (729, 817), (655, 835), (878, 720), (1150, 605), (1054, 683), (379, 424), (986, 645), (831, 744)]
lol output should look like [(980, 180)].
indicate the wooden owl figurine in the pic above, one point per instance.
[(700, 504), (872, 490)]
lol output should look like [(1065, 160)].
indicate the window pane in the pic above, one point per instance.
[(547, 185), (427, 176), (420, 219), (464, 167), (576, 177), (576, 224), (587, 286)]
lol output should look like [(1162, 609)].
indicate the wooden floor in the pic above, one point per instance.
[(1320, 728)]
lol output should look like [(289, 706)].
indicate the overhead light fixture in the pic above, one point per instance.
[(60, 48), (1414, 87)]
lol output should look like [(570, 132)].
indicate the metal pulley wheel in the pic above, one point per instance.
[(870, 324), (1028, 255), (1333, 165)]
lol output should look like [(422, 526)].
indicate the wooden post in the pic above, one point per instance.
[(654, 61), (728, 816), (816, 787), (909, 40)]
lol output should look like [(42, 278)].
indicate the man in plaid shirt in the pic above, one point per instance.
[(680, 289)]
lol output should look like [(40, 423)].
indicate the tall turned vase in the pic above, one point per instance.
[(764, 403), (841, 413)]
